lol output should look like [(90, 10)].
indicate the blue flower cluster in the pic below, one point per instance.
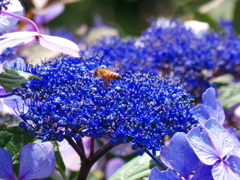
[(139, 108), (168, 48)]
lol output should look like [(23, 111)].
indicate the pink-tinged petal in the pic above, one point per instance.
[(203, 172), (202, 146), (234, 163), (72, 160), (123, 150), (6, 171), (37, 161), (169, 174), (16, 38), (49, 13), (112, 166), (220, 137), (60, 45), (7, 21), (222, 171)]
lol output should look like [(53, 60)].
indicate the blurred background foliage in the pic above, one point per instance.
[(131, 17)]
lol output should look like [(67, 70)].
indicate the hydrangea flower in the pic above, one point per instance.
[(213, 147), (37, 161), (211, 107), (179, 157), (70, 101)]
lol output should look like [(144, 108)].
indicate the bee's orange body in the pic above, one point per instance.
[(106, 75)]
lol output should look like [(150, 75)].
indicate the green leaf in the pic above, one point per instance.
[(12, 78), (137, 168), (13, 138), (236, 17), (229, 95), (59, 161)]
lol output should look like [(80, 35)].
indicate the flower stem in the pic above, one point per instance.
[(75, 147), (155, 159), (87, 163), (23, 19)]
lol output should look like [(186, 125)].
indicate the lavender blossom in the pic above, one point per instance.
[(213, 147), (37, 161)]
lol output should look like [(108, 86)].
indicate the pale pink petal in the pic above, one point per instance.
[(60, 45), (16, 38), (6, 21), (72, 160)]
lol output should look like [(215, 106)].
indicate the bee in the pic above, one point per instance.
[(106, 75)]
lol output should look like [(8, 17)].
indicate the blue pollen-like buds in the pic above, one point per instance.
[(139, 108)]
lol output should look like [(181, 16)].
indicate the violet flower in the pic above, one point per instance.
[(179, 157), (50, 42), (211, 107), (213, 147), (37, 161)]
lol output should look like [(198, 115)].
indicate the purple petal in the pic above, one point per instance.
[(222, 171), (112, 166), (221, 139), (49, 13), (6, 171), (2, 91), (202, 146), (13, 101), (155, 174), (203, 112), (203, 172), (236, 149), (209, 97), (234, 163), (213, 106), (179, 156), (60, 45), (16, 38), (37, 161), (7, 21)]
